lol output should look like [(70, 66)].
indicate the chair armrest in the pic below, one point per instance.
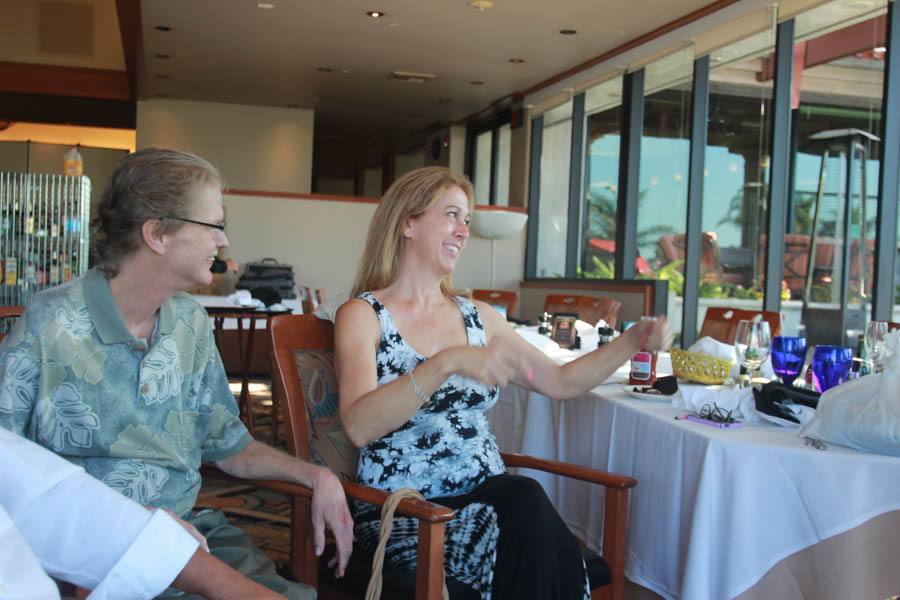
[(569, 470), (422, 510), (285, 487), (417, 509)]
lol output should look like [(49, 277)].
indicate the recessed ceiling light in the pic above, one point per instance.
[(568, 31), (476, 82), (516, 61), (375, 14), (480, 5), (265, 5), (163, 28), (161, 56)]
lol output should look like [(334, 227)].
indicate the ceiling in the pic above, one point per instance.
[(329, 56)]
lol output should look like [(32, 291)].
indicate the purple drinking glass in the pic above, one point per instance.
[(788, 356), (831, 366)]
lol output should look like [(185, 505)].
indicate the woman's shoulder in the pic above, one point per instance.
[(355, 310)]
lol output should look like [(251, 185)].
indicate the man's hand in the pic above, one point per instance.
[(195, 533), (329, 510)]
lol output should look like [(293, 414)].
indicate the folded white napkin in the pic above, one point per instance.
[(243, 298), (738, 400), (711, 347), (733, 398)]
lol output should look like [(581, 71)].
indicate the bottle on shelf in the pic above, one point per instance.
[(72, 163)]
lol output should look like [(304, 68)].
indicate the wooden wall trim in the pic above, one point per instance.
[(331, 197), (51, 80), (338, 198)]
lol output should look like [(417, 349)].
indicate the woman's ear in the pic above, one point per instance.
[(408, 227), (153, 235)]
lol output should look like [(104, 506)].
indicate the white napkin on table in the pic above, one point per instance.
[(738, 400), (243, 298), (712, 347)]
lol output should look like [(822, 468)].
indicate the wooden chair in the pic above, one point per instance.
[(8, 315), (892, 325), (588, 308), (303, 363), (720, 323), (498, 297)]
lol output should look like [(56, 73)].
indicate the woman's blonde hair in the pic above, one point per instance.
[(407, 198)]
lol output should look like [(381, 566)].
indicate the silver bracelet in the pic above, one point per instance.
[(415, 386)]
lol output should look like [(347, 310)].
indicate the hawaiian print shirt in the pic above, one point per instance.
[(141, 419)]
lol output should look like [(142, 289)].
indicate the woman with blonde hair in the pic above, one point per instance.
[(418, 365)]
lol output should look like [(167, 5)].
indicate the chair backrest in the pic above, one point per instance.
[(892, 325), (8, 316), (588, 308), (498, 297), (305, 383), (720, 323)]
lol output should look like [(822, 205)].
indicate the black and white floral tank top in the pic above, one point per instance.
[(446, 448)]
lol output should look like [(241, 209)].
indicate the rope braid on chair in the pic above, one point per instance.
[(373, 591)]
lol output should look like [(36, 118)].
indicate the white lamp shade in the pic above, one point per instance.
[(496, 224)]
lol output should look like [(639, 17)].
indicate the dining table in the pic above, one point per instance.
[(719, 513), (224, 313)]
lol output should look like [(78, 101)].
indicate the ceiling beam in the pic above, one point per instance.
[(129, 12), (51, 80)]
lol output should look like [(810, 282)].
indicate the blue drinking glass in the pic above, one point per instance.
[(788, 356), (831, 366)]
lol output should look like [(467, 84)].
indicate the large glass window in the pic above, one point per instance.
[(840, 58), (736, 176), (602, 107), (553, 210), (665, 157)]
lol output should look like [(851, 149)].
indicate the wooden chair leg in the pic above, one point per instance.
[(429, 575)]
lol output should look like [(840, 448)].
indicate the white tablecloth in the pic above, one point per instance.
[(714, 509)]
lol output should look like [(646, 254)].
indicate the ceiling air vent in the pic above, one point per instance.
[(410, 77)]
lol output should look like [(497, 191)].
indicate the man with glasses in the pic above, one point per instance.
[(118, 371)]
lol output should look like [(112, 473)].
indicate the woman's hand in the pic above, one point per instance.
[(495, 364), (656, 334)]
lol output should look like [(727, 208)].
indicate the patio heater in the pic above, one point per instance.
[(843, 170)]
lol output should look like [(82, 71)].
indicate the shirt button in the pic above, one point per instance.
[(144, 389)]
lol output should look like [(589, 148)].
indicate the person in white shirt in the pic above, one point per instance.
[(56, 520)]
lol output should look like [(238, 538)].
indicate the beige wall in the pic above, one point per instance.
[(324, 239), (254, 147)]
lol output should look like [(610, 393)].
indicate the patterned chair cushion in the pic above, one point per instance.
[(328, 444)]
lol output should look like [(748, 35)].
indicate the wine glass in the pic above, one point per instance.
[(830, 366), (788, 356), (875, 331), (751, 344)]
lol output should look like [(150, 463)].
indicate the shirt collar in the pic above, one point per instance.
[(105, 313)]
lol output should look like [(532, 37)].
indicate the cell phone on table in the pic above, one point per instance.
[(711, 423)]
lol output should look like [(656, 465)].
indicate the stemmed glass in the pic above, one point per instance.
[(875, 331), (751, 344), (788, 356)]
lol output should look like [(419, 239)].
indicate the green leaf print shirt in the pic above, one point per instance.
[(139, 419)]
